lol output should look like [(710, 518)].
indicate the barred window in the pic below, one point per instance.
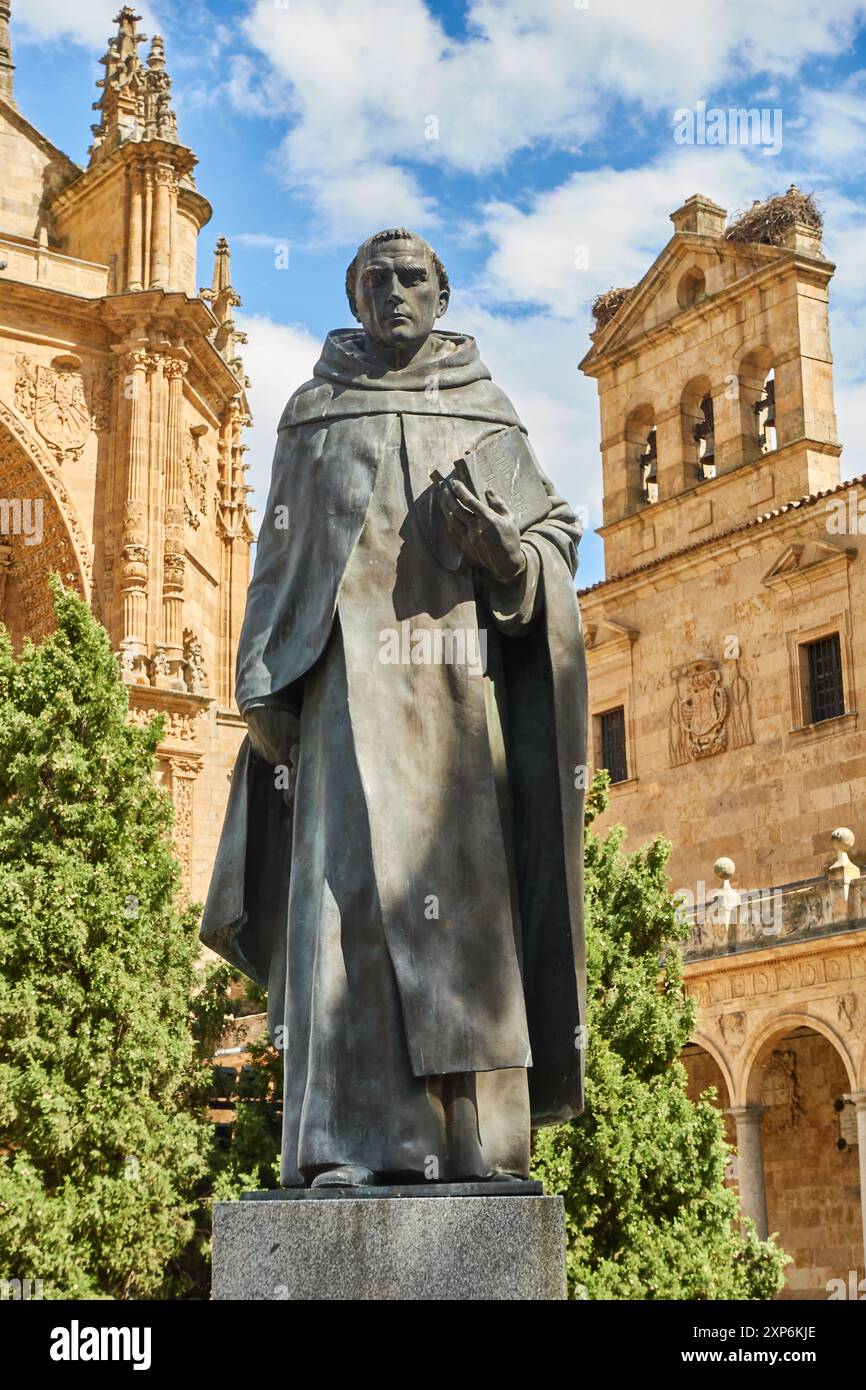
[(613, 756), (826, 698)]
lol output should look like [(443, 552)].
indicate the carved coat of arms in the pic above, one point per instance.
[(54, 398), (706, 716), (62, 416), (702, 712)]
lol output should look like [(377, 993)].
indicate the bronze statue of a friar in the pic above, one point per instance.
[(401, 861)]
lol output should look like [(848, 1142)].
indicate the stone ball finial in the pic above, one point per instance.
[(724, 868), (842, 871)]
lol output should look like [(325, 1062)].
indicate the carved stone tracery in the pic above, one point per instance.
[(40, 534)]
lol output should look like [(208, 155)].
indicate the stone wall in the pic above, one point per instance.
[(771, 785)]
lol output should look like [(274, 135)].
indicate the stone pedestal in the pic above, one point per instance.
[(476, 1247)]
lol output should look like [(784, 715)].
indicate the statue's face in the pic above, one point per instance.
[(398, 294)]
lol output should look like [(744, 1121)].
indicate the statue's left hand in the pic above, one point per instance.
[(273, 731), (486, 532)]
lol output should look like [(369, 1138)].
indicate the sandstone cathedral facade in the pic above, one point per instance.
[(122, 407)]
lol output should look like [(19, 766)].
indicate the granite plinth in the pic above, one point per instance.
[(483, 1247)]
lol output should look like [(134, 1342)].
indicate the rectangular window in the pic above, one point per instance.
[(613, 757), (826, 699)]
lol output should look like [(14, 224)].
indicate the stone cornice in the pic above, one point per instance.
[(788, 572), (656, 573), (195, 203), (179, 156), (38, 297), (159, 317), (845, 938), (620, 638), (184, 714)]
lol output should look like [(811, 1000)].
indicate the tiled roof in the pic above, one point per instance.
[(809, 500)]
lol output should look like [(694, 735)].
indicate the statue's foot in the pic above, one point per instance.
[(347, 1175)]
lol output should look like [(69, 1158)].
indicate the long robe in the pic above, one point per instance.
[(418, 919)]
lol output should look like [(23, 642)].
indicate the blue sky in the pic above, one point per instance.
[(510, 133)]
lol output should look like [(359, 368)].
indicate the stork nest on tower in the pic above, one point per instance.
[(604, 306), (767, 221)]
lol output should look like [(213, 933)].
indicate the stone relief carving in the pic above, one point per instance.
[(25, 386), (706, 716), (101, 398), (740, 721), (183, 792), (197, 470), (781, 1088), (848, 1009), (54, 399), (774, 978), (732, 1027), (28, 564), (194, 669), (809, 913), (700, 710), (178, 725)]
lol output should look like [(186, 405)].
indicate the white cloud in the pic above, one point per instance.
[(86, 22), (851, 419), (620, 217), (258, 240), (373, 195), (278, 358), (359, 80), (835, 129)]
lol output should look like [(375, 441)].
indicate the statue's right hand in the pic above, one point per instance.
[(273, 732)]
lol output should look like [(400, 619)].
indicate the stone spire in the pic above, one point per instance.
[(223, 298), (7, 67), (135, 102), (222, 271)]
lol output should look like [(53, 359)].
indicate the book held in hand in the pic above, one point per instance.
[(504, 464)]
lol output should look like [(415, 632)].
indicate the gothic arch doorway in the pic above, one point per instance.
[(35, 540)]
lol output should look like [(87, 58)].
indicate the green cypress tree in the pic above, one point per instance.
[(641, 1171), (103, 1138)]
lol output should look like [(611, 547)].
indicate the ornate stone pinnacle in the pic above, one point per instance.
[(135, 102), (156, 57)]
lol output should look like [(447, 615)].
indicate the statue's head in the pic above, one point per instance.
[(397, 287)]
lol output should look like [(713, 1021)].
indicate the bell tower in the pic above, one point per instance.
[(715, 379), (726, 664)]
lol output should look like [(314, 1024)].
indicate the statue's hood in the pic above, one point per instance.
[(344, 361), (346, 382)]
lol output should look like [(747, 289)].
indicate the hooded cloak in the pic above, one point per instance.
[(468, 789)]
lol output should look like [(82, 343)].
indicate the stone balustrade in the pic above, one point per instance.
[(729, 920), (35, 264)]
